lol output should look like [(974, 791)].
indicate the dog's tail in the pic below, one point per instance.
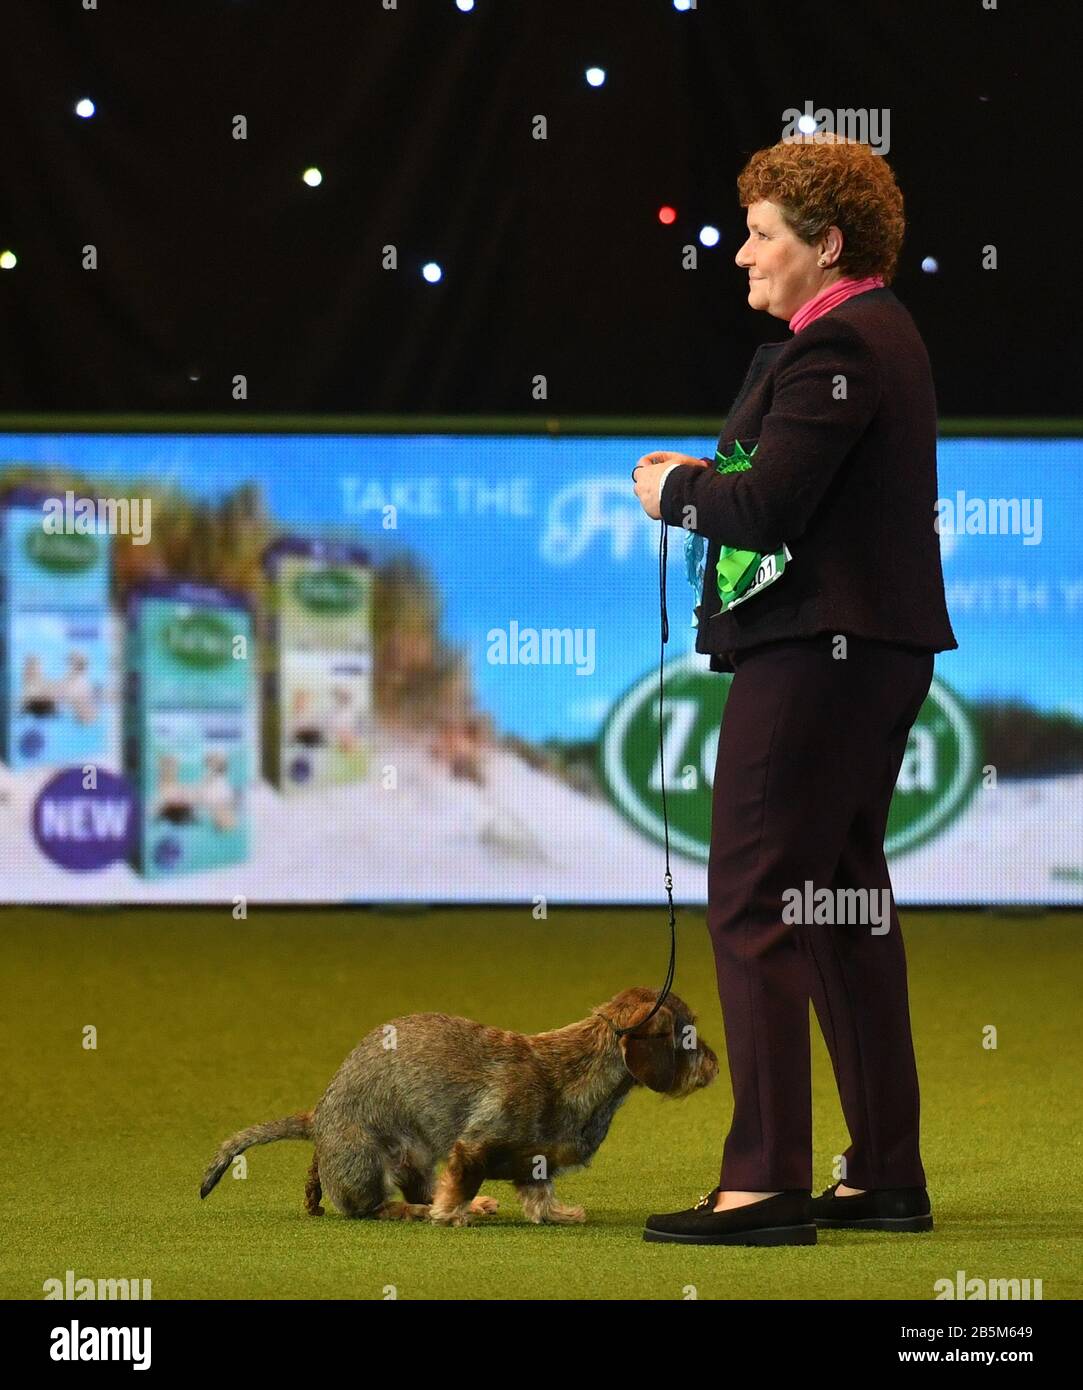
[(297, 1126)]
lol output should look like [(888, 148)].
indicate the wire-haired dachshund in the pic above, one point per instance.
[(495, 1105)]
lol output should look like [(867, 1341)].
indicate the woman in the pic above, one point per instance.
[(832, 440)]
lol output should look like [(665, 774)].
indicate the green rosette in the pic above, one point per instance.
[(736, 569)]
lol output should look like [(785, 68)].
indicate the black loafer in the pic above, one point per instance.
[(878, 1209), (784, 1219)]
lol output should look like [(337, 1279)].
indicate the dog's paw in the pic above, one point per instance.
[(484, 1206), (402, 1211), (565, 1216), (453, 1216)]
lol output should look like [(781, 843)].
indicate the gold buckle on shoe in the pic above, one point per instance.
[(704, 1200)]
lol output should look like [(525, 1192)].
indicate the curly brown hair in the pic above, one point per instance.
[(816, 183)]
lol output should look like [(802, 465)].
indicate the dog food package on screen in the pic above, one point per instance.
[(189, 661), (317, 665), (54, 649)]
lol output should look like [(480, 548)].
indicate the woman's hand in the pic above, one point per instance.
[(647, 476)]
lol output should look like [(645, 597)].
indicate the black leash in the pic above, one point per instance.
[(663, 556)]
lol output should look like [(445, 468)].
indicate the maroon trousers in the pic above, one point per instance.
[(808, 754)]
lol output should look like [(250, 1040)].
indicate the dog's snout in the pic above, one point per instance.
[(698, 1069)]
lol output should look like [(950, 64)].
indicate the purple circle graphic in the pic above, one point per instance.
[(83, 828), (300, 769)]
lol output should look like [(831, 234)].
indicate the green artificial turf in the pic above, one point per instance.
[(205, 1024)]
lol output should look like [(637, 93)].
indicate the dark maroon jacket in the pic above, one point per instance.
[(844, 414)]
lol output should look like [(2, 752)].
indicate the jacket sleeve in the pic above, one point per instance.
[(824, 396)]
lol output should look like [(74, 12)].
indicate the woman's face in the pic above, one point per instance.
[(783, 270)]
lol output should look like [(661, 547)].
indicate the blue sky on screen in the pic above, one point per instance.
[(548, 533)]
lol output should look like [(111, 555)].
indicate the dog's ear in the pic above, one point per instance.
[(650, 1057)]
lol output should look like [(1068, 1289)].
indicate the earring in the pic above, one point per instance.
[(823, 260)]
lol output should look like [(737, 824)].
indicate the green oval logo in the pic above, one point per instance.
[(201, 640), (328, 591), (940, 769), (61, 552)]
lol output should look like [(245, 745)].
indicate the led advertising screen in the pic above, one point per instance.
[(380, 668)]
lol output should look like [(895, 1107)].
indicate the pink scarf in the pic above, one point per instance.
[(832, 296)]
